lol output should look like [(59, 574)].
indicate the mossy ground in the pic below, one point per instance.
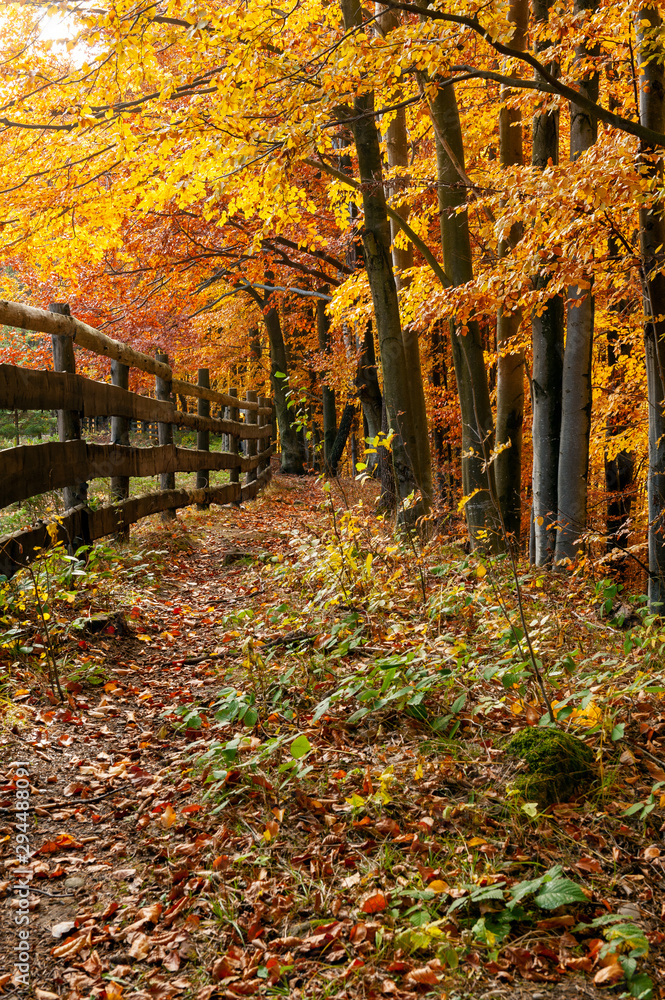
[(559, 765)]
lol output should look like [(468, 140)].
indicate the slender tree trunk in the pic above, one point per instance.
[(547, 334), (620, 469), (652, 240), (369, 393), (293, 453), (467, 349), (510, 362), (328, 395), (397, 147), (345, 424), (376, 245), (577, 391)]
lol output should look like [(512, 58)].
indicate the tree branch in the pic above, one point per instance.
[(647, 135), (392, 214)]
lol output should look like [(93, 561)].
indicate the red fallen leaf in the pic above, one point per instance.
[(188, 810), (221, 970), (110, 910), (374, 903), (589, 865), (368, 787), (63, 842), (365, 821), (550, 923), (398, 967)]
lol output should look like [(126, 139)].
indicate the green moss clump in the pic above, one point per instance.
[(559, 765)]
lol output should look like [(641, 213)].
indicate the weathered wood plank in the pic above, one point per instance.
[(87, 525), (222, 398), (250, 490), (23, 389), (29, 318), (29, 470)]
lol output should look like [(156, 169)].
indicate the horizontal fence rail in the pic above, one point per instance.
[(29, 470)]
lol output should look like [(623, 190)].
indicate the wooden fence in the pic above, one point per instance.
[(70, 463)]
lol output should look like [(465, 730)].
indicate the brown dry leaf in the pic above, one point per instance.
[(152, 912), (168, 817), (422, 977), (140, 945), (550, 923), (656, 772), (45, 994), (72, 946), (113, 991), (610, 974), (93, 966), (651, 852), (579, 964)]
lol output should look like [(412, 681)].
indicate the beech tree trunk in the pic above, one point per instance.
[(328, 395), (577, 391), (652, 240), (293, 452), (369, 393), (547, 337), (619, 471), (397, 147), (467, 349), (510, 362), (378, 262)]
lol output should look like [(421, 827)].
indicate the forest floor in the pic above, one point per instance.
[(280, 768)]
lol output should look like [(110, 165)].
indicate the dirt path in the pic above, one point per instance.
[(287, 884)]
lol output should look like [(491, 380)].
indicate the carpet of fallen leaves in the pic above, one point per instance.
[(327, 867)]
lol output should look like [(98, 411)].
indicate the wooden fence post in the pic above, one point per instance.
[(203, 437), (264, 443), (251, 417), (165, 434), (69, 421), (120, 436), (234, 414)]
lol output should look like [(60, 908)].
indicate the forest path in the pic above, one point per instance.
[(286, 882)]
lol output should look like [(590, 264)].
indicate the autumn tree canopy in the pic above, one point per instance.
[(468, 195)]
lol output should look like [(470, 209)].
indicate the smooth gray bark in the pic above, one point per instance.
[(510, 362), (547, 328), (292, 453), (467, 349), (652, 240), (397, 148), (577, 393), (328, 395), (378, 263)]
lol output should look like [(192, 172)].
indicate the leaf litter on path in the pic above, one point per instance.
[(332, 855)]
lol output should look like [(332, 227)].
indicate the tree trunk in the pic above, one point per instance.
[(369, 393), (547, 336), (345, 423), (510, 363), (576, 384), (328, 395), (376, 245), (652, 240), (397, 147), (467, 349), (293, 456), (619, 471)]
